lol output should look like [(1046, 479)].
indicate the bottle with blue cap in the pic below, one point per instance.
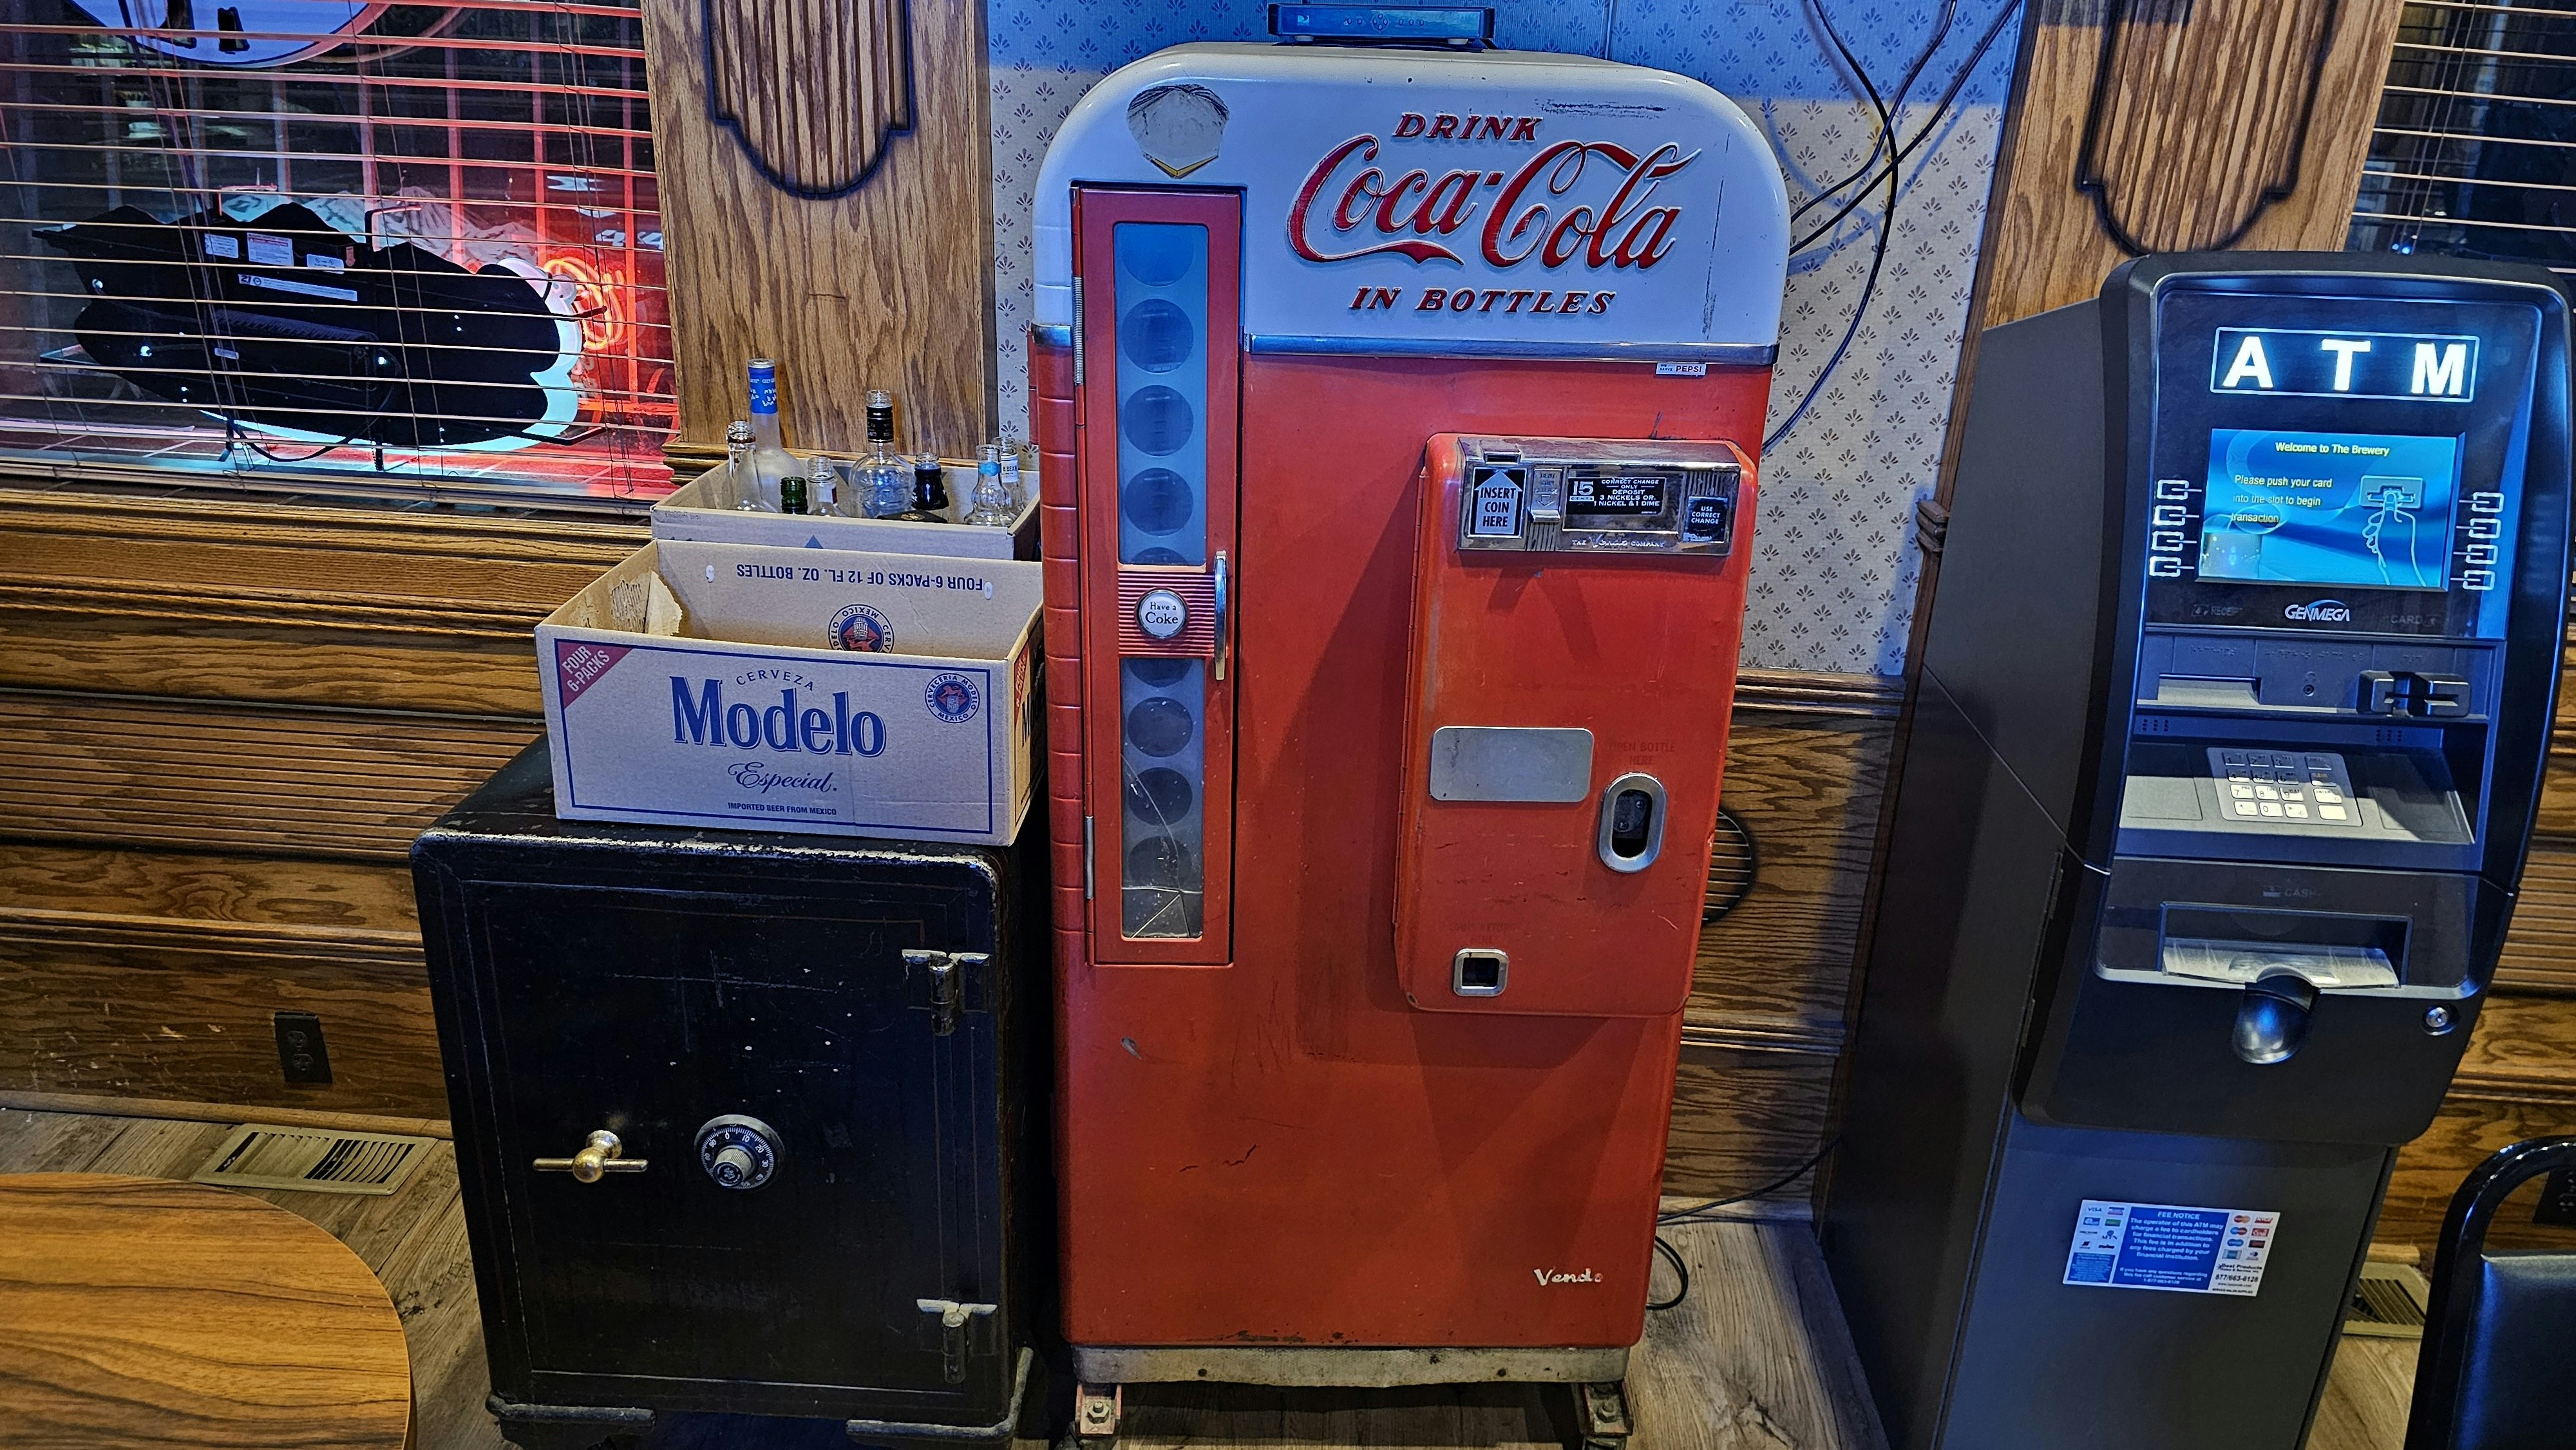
[(770, 460)]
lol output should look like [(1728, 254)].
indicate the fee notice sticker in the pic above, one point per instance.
[(2162, 1246)]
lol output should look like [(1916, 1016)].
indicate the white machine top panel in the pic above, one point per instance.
[(1580, 206)]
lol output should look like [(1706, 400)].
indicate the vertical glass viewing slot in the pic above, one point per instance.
[(1159, 331), (1162, 302)]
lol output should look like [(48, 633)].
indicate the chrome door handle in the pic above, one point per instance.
[(600, 1154), (1224, 633)]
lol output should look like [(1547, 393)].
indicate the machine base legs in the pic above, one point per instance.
[(1095, 1416), (1603, 1411)]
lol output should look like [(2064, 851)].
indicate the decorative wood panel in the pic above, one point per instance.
[(878, 275), (2167, 178), (2191, 122), (815, 91)]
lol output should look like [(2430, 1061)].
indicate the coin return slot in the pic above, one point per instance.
[(1479, 972), (1632, 822)]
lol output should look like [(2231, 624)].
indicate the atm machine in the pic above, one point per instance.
[(2231, 721), (1398, 403)]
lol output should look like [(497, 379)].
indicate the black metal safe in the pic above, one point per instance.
[(745, 1123)]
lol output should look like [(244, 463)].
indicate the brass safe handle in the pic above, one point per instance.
[(600, 1154)]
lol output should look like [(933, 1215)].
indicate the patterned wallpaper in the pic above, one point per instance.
[(1834, 559)]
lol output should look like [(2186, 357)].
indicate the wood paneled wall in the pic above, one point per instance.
[(827, 202), (229, 718)]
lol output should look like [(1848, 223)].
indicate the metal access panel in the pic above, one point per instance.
[(730, 1118), (1576, 609)]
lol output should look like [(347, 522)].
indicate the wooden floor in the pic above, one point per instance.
[(1755, 1358)]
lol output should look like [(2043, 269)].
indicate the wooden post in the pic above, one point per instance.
[(826, 201)]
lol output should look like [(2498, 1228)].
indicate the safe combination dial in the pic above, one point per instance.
[(738, 1152)]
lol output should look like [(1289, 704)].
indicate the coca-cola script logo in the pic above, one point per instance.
[(1590, 201)]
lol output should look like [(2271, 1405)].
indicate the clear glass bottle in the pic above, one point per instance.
[(739, 484), (770, 460), (929, 492), (992, 508), (1011, 485), (884, 481), (791, 494), (823, 474), (1019, 467)]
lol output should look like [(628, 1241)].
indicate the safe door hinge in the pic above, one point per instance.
[(1086, 858), (945, 976), (1931, 525), (954, 1322)]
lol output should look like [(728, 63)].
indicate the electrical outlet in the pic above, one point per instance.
[(301, 1054), (2557, 1200)]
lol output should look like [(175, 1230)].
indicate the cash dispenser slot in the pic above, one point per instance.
[(2332, 952), (2282, 960)]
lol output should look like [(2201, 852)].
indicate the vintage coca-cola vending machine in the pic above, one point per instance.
[(1399, 405)]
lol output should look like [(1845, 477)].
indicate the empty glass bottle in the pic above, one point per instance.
[(884, 482), (740, 483), (993, 506), (769, 456), (929, 492)]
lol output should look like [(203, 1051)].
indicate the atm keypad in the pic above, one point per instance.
[(2260, 787)]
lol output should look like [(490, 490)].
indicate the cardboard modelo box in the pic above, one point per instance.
[(750, 687)]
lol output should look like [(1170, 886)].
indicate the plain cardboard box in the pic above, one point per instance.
[(744, 686), (703, 509)]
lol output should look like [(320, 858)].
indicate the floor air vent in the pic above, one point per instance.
[(314, 1160), (2388, 1302)]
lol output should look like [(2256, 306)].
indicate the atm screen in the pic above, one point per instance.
[(2345, 509)]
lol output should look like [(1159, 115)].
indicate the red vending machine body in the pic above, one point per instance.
[(1315, 682)]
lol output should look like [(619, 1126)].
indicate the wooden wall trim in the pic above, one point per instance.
[(1813, 692)]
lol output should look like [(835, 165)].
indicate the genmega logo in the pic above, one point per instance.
[(2319, 611)]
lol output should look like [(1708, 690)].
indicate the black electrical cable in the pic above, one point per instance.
[(1672, 1256), (1878, 250), (245, 441), (1887, 222), (1940, 112), (1896, 106), (1692, 1213)]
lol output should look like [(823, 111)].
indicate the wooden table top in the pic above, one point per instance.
[(143, 1312)]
